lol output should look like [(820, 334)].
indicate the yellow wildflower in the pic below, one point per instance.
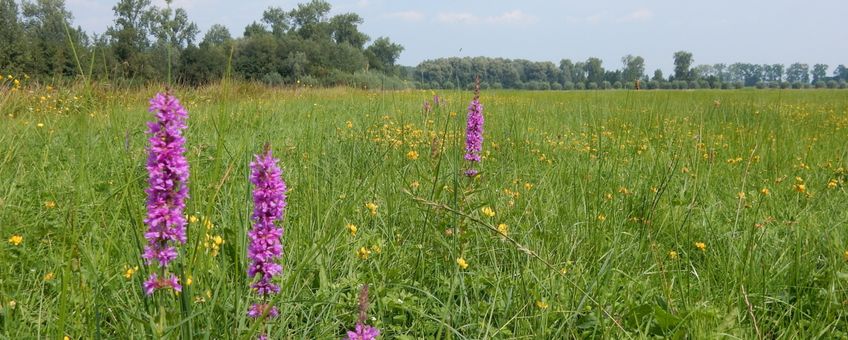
[(372, 207), (461, 263), (765, 191), (351, 228), (349, 124), (528, 186), (49, 204), (541, 304), (412, 155), (701, 246), (488, 212), (741, 195), (128, 274), (16, 240), (192, 219), (602, 217), (49, 276), (40, 125), (832, 184), (503, 229), (672, 254), (363, 253), (377, 249)]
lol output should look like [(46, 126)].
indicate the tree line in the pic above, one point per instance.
[(145, 42), (591, 74), (307, 45)]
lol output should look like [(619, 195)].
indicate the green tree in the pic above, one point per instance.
[(47, 30), (595, 70), (129, 36), (819, 72), (634, 68), (798, 73), (682, 63), (11, 38), (383, 54)]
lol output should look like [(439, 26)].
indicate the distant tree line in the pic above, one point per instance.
[(306, 45), (497, 73), (145, 42)]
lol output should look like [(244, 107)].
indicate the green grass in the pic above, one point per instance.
[(602, 186)]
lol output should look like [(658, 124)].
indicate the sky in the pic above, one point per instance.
[(715, 31)]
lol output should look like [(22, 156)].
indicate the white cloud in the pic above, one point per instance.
[(407, 15), (512, 17), (639, 15), (509, 17), (461, 18)]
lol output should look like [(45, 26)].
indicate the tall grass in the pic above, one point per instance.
[(597, 189)]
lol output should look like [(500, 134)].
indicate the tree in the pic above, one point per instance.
[(130, 35), (841, 73), (798, 73), (11, 37), (634, 68), (566, 68), (344, 29), (47, 30), (595, 70), (682, 62), (658, 76), (383, 54), (819, 72)]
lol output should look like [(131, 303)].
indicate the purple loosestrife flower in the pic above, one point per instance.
[(363, 331), (266, 249), (474, 132), (167, 191)]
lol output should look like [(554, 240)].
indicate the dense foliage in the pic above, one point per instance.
[(307, 45)]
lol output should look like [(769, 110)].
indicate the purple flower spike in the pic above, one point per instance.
[(363, 332), (266, 249), (167, 189), (474, 132)]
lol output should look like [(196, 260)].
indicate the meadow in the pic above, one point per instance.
[(597, 214)]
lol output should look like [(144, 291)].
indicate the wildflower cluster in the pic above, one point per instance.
[(474, 132), (167, 192), (269, 202)]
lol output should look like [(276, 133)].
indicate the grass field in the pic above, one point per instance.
[(617, 214)]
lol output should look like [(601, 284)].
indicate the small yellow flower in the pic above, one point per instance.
[(528, 186), (12, 304), (602, 217), (192, 219), (701, 246), (741, 195), (503, 229), (349, 124), (49, 204), (412, 155), (541, 304), (377, 249), (453, 114), (128, 274), (351, 228), (363, 253), (40, 125), (66, 338), (765, 191), (461, 263), (207, 223), (672, 254), (685, 170), (188, 281), (845, 255), (16, 240), (488, 212), (414, 185), (832, 184), (372, 207), (801, 188), (49, 276)]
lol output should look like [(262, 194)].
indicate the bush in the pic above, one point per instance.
[(592, 86), (273, 79), (556, 86), (568, 86)]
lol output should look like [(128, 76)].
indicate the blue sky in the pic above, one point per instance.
[(756, 31)]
